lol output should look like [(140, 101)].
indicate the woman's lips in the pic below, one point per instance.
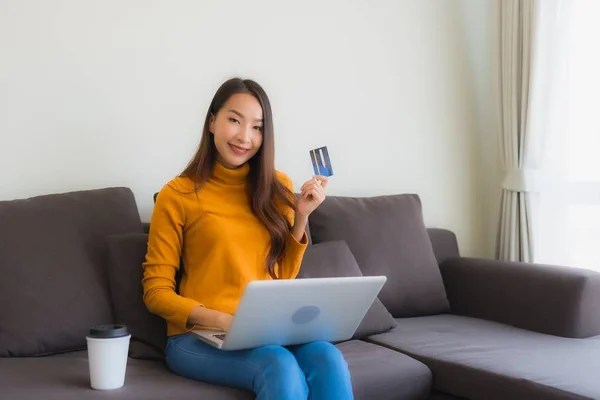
[(240, 151)]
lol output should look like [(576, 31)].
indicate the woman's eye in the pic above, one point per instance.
[(258, 128), (235, 121)]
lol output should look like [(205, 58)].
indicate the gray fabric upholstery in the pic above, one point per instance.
[(479, 359), (560, 301), (377, 373), (384, 374), (387, 236), (331, 259), (66, 377), (127, 252), (52, 263), (444, 244), (443, 396)]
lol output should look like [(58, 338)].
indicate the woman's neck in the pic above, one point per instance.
[(231, 176)]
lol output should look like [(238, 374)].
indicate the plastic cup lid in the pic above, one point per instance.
[(108, 331)]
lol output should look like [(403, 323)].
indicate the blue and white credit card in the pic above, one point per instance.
[(321, 162)]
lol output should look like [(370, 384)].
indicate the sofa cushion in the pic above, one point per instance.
[(382, 374), (388, 237), (148, 331), (66, 377), (331, 259), (474, 358), (435, 395), (444, 243), (52, 262), (376, 372)]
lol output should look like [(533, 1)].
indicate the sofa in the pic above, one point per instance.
[(443, 326)]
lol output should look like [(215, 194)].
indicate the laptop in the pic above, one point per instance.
[(297, 311)]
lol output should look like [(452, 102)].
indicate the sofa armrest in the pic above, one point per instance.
[(559, 301)]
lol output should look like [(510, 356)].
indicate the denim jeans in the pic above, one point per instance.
[(316, 371)]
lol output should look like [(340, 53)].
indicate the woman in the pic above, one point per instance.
[(230, 218)]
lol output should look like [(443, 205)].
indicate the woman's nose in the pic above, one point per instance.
[(245, 135)]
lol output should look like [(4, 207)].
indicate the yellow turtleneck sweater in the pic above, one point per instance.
[(222, 244)]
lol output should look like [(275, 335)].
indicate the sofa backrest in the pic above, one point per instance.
[(53, 281), (53, 258), (444, 244), (387, 236)]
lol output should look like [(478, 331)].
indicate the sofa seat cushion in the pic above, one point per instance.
[(377, 373), (66, 377), (387, 236), (475, 358), (384, 374), (54, 285), (435, 395)]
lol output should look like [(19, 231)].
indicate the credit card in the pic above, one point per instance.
[(321, 162)]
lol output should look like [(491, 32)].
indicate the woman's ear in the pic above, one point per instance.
[(211, 125)]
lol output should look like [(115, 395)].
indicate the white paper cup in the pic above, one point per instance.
[(108, 346)]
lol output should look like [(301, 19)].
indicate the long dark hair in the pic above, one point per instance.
[(267, 193)]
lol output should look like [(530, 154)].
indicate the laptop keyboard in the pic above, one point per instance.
[(220, 336)]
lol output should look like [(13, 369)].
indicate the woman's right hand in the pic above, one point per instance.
[(224, 321), (206, 317)]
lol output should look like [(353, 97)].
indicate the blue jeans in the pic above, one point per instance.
[(315, 370)]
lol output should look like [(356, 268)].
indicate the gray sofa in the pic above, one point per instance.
[(443, 327)]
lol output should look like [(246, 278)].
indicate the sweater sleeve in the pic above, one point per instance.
[(290, 264), (162, 261)]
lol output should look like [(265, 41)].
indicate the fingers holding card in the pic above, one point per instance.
[(314, 190), (320, 180)]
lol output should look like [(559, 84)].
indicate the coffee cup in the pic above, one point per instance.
[(108, 347)]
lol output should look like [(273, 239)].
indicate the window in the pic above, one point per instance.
[(569, 212)]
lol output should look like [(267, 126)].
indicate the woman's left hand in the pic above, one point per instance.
[(312, 195)]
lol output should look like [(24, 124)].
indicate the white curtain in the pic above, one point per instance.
[(519, 144), (568, 110)]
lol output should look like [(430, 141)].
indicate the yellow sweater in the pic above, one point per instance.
[(223, 246)]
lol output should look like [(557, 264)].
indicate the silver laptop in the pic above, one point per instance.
[(297, 311)]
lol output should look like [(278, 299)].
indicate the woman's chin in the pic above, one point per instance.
[(232, 162)]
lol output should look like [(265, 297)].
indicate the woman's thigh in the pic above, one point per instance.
[(270, 369)]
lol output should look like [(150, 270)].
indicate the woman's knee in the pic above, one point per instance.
[(281, 373), (325, 354), (279, 361)]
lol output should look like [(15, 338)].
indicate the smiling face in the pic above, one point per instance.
[(237, 130)]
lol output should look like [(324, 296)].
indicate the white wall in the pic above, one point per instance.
[(480, 25), (106, 93)]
